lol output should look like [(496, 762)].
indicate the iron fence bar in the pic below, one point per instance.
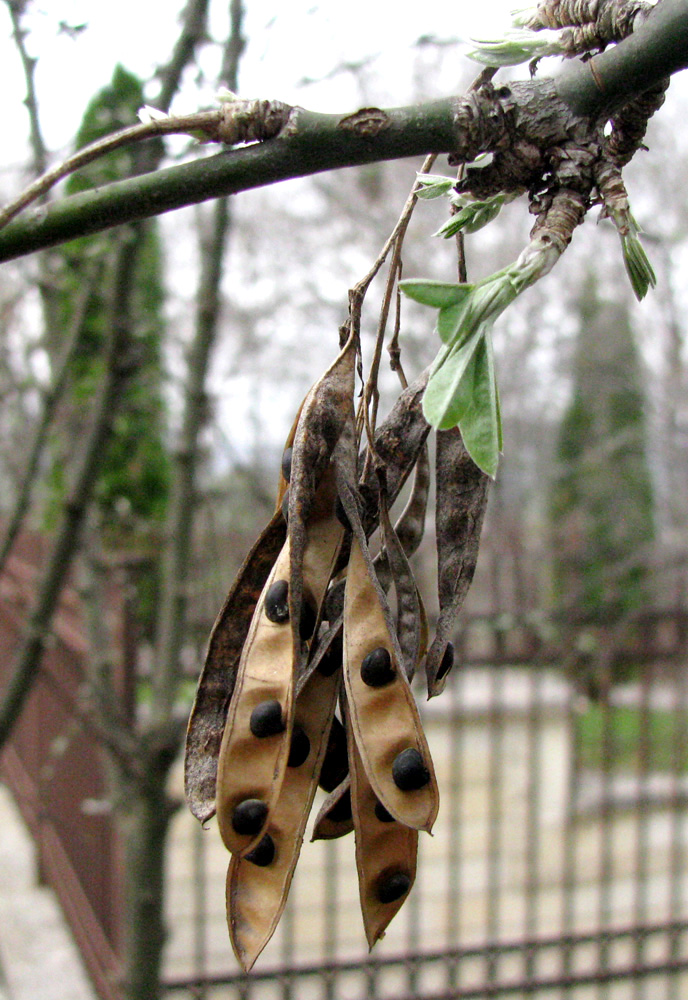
[(454, 820), (569, 857), (200, 924), (331, 913), (642, 821), (677, 862), (605, 913), (573, 979), (494, 823), (534, 783)]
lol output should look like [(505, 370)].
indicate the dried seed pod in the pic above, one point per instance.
[(385, 720), (218, 677), (462, 490), (257, 741), (258, 883), (410, 526), (325, 411), (386, 853), (398, 442), (251, 766), (216, 684), (408, 602), (335, 818)]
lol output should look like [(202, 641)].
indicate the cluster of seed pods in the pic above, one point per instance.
[(307, 680)]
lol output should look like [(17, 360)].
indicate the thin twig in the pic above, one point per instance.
[(200, 121)]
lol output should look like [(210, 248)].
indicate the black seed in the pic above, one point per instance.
[(332, 659), (266, 719), (377, 669), (447, 661), (392, 886), (263, 854), (382, 813), (285, 506), (277, 602), (335, 766), (409, 770), (286, 463), (300, 747), (341, 810), (249, 816), (308, 619)]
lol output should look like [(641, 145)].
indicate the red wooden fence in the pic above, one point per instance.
[(56, 772)]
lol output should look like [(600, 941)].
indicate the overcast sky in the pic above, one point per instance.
[(289, 41)]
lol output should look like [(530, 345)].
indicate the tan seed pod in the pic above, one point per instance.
[(218, 677), (386, 853), (384, 715), (324, 413), (216, 684), (250, 767), (257, 892), (462, 490), (408, 621), (255, 744), (335, 818)]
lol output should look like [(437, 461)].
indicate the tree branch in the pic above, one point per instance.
[(118, 370), (311, 143)]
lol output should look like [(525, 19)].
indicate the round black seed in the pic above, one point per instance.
[(447, 661), (393, 886), (285, 506), (263, 854), (332, 659), (341, 810), (249, 816), (277, 602), (286, 463), (377, 669), (409, 771), (307, 622), (382, 813), (335, 766), (266, 719), (300, 747)]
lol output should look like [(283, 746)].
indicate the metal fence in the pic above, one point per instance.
[(557, 867)]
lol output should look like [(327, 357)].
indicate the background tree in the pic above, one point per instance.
[(602, 508)]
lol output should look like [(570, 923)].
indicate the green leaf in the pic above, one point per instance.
[(449, 318), (480, 424), (438, 294), (638, 266), (449, 391), (434, 185)]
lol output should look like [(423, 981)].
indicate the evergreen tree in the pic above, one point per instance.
[(602, 507), (135, 475)]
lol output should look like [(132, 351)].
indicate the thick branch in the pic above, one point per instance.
[(655, 50), (311, 143)]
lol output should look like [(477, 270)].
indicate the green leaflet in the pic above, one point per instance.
[(434, 185), (449, 321), (481, 424), (438, 294), (450, 389)]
